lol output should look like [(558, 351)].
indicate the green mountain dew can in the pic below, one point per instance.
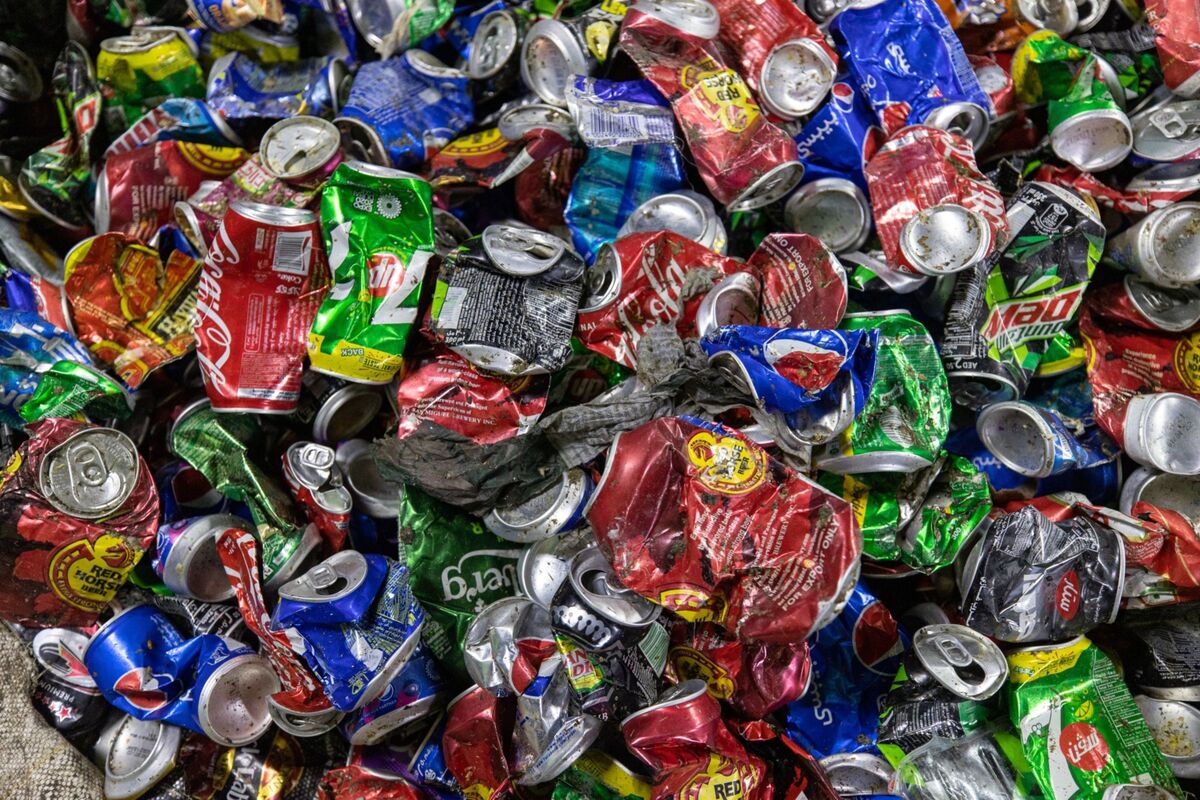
[(378, 226), (1088, 128), (1080, 728), (907, 415)]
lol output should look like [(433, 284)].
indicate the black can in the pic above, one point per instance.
[(65, 694), (1164, 656)]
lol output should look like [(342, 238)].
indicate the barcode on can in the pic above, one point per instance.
[(452, 307), (292, 252), (602, 127)]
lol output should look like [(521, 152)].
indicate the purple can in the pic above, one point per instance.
[(412, 695)]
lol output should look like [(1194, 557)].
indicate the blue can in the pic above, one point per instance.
[(184, 118), (143, 665), (911, 66), (429, 764), (28, 341), (462, 26), (402, 110), (411, 696), (611, 184), (19, 294), (16, 386), (184, 492), (854, 660), (242, 90), (358, 621), (840, 137), (791, 370), (1035, 441)]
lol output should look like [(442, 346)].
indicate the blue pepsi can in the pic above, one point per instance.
[(854, 659), (27, 340), (611, 184), (840, 136), (403, 110), (244, 91), (410, 696), (1035, 442), (357, 621), (911, 66), (183, 491), (215, 686), (18, 291)]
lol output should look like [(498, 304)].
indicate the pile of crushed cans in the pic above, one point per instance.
[(632, 400)]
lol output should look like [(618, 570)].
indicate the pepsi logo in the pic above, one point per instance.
[(141, 688), (876, 638)]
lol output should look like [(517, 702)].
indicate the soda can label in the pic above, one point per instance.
[(258, 293), (378, 229), (138, 71), (1080, 728), (241, 89), (183, 118), (840, 137)]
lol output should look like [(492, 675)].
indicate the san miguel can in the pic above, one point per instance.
[(935, 212), (359, 621), (1080, 728), (745, 161), (727, 483), (256, 301), (378, 228), (1004, 310), (912, 67), (783, 56), (65, 695), (1030, 579), (77, 511), (506, 300), (612, 640)]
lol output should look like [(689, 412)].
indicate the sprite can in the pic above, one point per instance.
[(144, 68), (378, 226), (1080, 728), (907, 415)]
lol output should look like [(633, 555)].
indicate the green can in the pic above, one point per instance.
[(378, 226), (595, 775), (1088, 128), (140, 70), (457, 567), (907, 415), (69, 389), (1079, 727)]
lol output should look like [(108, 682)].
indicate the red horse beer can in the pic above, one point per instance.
[(258, 293)]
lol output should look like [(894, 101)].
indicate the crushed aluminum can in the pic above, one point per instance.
[(314, 478), (1175, 727), (337, 410), (964, 661), (474, 742), (187, 559), (303, 148), (495, 646), (1159, 432), (555, 511), (834, 210), (1032, 440), (65, 694), (248, 94), (545, 564), (856, 774), (412, 695), (136, 754), (1179, 493), (554, 51), (548, 738), (685, 212), (358, 620), (1167, 133), (733, 301), (1163, 247), (1173, 310), (803, 283)]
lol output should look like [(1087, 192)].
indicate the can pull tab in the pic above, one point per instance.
[(952, 650), (86, 465), (1171, 124), (317, 456), (323, 578)]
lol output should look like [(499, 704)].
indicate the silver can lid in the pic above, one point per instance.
[(1015, 433), (362, 142), (685, 212), (856, 774), (523, 252), (298, 146), (946, 238), (551, 57), (1180, 493), (448, 232), (834, 210), (544, 515), (1170, 239), (602, 281), (1175, 727), (139, 754), (334, 578), (373, 495), (311, 464), (545, 564), (771, 186), (277, 216), (303, 723), (698, 18), (1060, 16), (593, 579), (1167, 133), (1090, 13), (733, 301), (494, 43), (964, 661), (233, 705), (1173, 310), (1093, 140), (1163, 431), (516, 122), (91, 474), (1181, 177), (969, 120), (346, 413), (20, 81), (795, 78)]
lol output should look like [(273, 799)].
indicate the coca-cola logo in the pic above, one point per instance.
[(1066, 595), (214, 340), (1084, 746)]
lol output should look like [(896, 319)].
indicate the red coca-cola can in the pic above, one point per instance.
[(259, 290), (136, 190), (803, 283), (477, 725), (636, 283), (684, 740), (745, 161), (935, 212), (780, 51), (737, 538)]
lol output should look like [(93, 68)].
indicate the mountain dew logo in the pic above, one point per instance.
[(1012, 323)]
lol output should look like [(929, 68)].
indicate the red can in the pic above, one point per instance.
[(357, 783), (477, 726), (803, 283), (935, 212), (447, 390), (996, 82), (734, 536), (1177, 35), (259, 290), (77, 510), (1141, 195), (137, 190), (781, 52), (754, 678), (745, 161), (636, 283), (693, 754)]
